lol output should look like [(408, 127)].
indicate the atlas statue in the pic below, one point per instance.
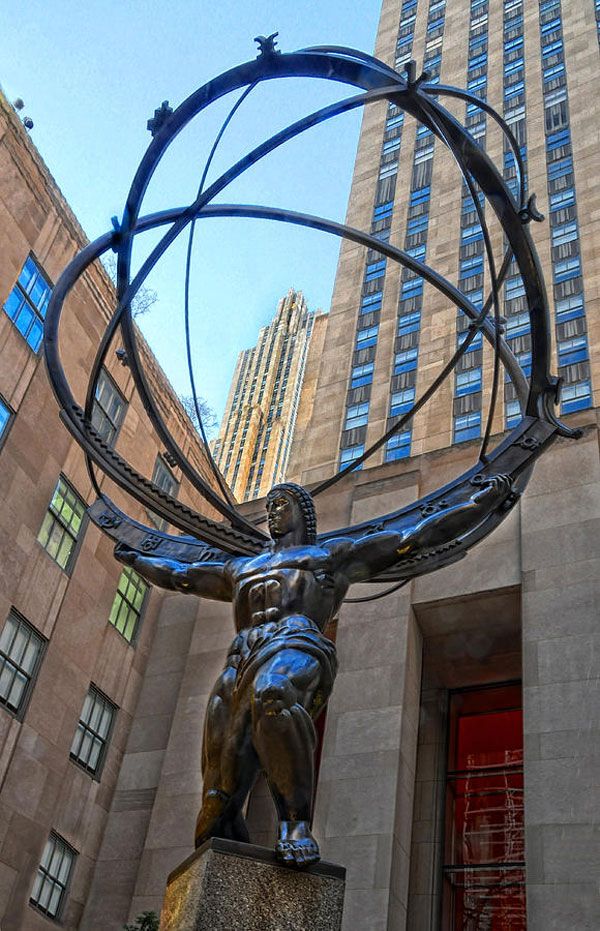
[(280, 667), (287, 586)]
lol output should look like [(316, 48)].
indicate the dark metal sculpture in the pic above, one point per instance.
[(280, 667), (286, 588)]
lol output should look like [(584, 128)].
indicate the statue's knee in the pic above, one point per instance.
[(272, 695), (224, 686)]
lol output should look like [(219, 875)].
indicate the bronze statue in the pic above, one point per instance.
[(280, 667)]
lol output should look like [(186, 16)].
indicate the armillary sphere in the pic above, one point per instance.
[(203, 538)]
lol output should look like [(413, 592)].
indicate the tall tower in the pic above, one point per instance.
[(479, 834), (388, 333), (253, 446)]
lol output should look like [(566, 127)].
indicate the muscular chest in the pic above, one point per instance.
[(273, 587)]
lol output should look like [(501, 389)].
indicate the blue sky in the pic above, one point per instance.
[(91, 75)]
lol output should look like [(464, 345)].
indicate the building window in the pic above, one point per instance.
[(401, 401), (128, 604), (366, 337), (398, 446), (62, 525), (512, 411), (467, 426), (357, 416), (93, 731), (109, 408), (484, 871), (406, 360), (468, 382), (576, 396), (21, 649), (362, 375), (6, 416), (350, 453), (27, 303), (52, 879), (164, 479)]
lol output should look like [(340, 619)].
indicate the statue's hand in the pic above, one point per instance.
[(494, 490), (125, 554)]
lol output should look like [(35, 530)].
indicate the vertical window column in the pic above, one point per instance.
[(406, 348), (571, 328), (363, 362), (518, 330), (468, 378)]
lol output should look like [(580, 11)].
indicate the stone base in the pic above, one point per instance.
[(226, 885)]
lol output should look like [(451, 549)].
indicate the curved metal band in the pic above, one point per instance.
[(378, 80)]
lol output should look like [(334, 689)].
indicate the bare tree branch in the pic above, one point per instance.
[(209, 419), (145, 297)]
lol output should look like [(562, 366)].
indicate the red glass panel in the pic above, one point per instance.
[(488, 900), (489, 739), (487, 818), (484, 852)]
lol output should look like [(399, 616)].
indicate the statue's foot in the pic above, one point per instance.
[(295, 844), (218, 817), (211, 815)]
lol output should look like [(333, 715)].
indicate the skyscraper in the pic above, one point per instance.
[(254, 441), (455, 777), (533, 62)]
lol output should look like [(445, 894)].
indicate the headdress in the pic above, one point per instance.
[(304, 500)]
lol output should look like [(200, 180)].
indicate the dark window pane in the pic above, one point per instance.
[(52, 878), (27, 303), (93, 731)]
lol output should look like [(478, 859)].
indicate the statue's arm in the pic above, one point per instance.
[(372, 554), (206, 579)]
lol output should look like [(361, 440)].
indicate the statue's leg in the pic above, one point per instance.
[(284, 737), (229, 764)]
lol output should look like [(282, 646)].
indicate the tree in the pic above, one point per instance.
[(145, 297), (147, 921), (209, 419)]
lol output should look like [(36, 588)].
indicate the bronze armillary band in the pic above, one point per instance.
[(378, 81)]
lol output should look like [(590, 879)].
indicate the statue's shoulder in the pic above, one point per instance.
[(337, 547), (241, 566)]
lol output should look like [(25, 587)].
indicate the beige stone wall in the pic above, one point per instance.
[(40, 788)]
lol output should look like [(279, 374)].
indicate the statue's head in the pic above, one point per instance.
[(291, 510)]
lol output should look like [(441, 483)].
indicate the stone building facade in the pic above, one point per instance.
[(73, 656), (257, 430)]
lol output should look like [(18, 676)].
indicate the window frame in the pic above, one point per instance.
[(70, 564), (20, 711), (24, 295), (56, 917), (97, 405), (9, 420), (511, 769), (160, 462), (140, 615), (95, 774)]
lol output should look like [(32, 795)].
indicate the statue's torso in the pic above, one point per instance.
[(277, 585)]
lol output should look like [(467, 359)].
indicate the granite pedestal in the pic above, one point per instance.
[(226, 885)]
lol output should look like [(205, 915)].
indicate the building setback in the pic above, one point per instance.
[(253, 446)]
